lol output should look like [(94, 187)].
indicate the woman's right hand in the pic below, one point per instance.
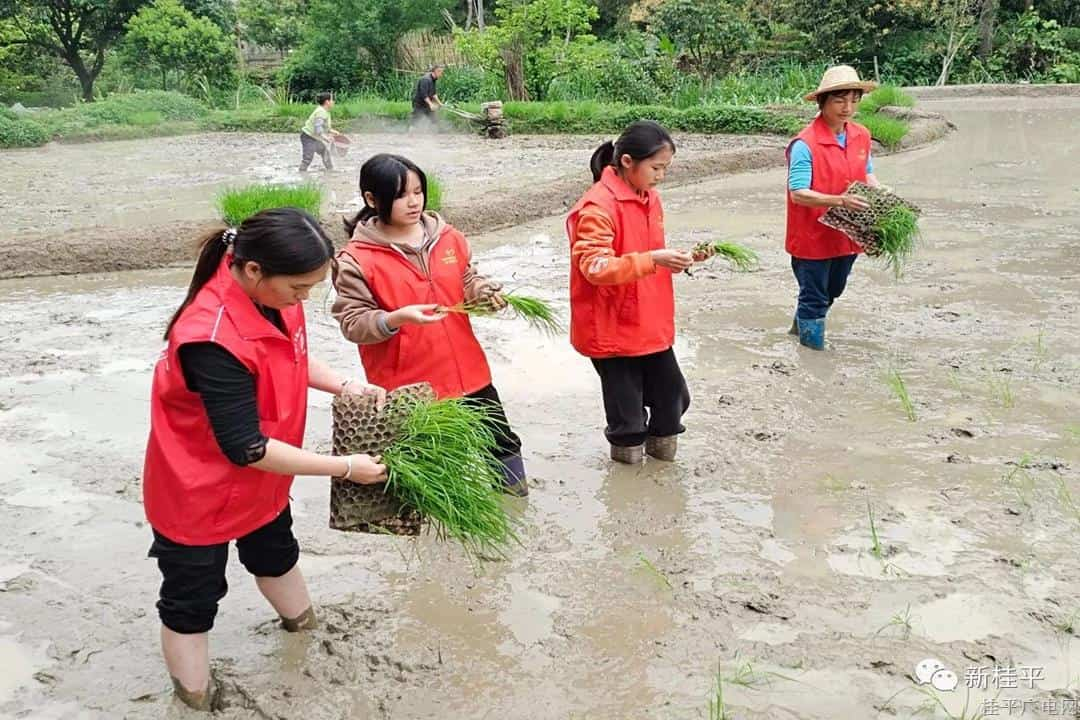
[(676, 260), (415, 314), (366, 469), (853, 202)]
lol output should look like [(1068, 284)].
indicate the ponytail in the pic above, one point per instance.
[(212, 249), (640, 140), (365, 214), (601, 158), (283, 241)]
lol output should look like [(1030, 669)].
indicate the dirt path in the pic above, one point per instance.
[(752, 554)]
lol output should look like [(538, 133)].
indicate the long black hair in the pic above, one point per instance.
[(640, 140), (385, 176), (284, 241)]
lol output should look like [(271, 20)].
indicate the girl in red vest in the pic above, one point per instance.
[(622, 304), (402, 265), (228, 406), (832, 152)]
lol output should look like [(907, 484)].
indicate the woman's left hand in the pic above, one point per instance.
[(355, 387)]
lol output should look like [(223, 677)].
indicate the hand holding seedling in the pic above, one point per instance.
[(365, 469), (490, 293), (676, 260), (416, 315)]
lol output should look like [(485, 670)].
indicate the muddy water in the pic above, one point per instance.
[(752, 556)]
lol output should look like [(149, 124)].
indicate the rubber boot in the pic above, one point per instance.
[(633, 455), (812, 333), (514, 480), (208, 700), (304, 621), (794, 329), (662, 447)]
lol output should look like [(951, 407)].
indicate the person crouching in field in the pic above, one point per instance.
[(622, 302), (395, 279)]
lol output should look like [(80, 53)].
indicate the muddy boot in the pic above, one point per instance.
[(633, 455), (208, 700), (662, 448), (812, 333), (514, 481), (304, 621)]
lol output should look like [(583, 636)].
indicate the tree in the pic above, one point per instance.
[(176, 41), (273, 23), (712, 33), (79, 32), (221, 12), (957, 21)]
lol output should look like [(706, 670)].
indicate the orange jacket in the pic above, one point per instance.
[(445, 354), (835, 168), (621, 303)]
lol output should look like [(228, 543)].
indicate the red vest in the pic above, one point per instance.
[(192, 494), (635, 318), (834, 169), (445, 354)]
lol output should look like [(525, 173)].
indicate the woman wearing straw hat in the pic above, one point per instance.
[(823, 160)]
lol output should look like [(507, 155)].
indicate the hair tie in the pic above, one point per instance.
[(228, 236)]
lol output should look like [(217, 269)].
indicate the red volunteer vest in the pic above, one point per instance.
[(635, 318), (835, 168), (192, 494), (445, 354)]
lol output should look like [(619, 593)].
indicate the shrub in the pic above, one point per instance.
[(16, 132)]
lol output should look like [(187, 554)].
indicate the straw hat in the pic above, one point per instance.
[(840, 77)]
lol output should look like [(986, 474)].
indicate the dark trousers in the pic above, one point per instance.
[(508, 442), (643, 396), (309, 147), (820, 283), (193, 576)]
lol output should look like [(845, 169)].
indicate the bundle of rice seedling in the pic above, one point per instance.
[(537, 313), (887, 229), (237, 204), (742, 258), (440, 458)]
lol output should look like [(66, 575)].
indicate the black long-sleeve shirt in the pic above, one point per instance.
[(227, 390)]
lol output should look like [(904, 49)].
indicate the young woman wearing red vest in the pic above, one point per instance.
[(400, 267), (823, 160), (622, 303), (228, 407)]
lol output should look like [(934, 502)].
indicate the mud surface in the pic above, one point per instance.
[(752, 555)]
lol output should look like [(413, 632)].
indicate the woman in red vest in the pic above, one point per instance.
[(622, 303), (832, 152), (401, 267), (228, 407)]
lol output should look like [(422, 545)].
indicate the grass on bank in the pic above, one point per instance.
[(239, 203)]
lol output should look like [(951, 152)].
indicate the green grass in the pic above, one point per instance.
[(896, 384), (886, 130), (18, 132), (443, 464), (884, 96), (897, 231), (238, 204), (123, 116)]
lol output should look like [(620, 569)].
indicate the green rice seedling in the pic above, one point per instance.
[(897, 230), (875, 542), (900, 620), (884, 96), (1068, 502), (537, 313), (954, 380), (742, 258), (443, 464), (717, 708), (887, 130), (1001, 389), (1074, 431), (1070, 624), (899, 388), (1040, 350), (434, 193), (1021, 481), (654, 571), (239, 203)]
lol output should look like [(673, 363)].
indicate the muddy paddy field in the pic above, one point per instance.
[(810, 546)]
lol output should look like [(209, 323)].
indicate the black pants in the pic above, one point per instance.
[(193, 576), (820, 283), (508, 442), (309, 147), (643, 396)]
